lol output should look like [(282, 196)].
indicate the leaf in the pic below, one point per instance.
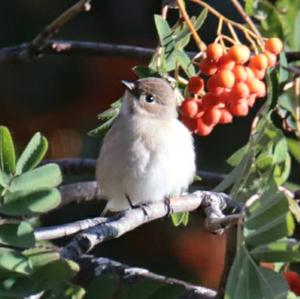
[(248, 281), (40, 256), (14, 261), (279, 251), (103, 287), (30, 203), (165, 35), (46, 176), (19, 235), (250, 6), (185, 63), (4, 179), (294, 148), (281, 150), (33, 153), (102, 129), (180, 218), (238, 155), (283, 72), (54, 274), (7, 151), (144, 71)]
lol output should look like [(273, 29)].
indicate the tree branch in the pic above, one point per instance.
[(91, 267), (82, 48), (126, 221)]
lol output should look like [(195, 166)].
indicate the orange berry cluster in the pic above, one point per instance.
[(233, 82)]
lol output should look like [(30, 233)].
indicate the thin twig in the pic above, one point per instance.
[(40, 41), (64, 230), (92, 267), (127, 221)]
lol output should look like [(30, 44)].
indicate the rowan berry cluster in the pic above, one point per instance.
[(229, 83)]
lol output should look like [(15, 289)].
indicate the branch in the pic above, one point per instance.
[(91, 267), (126, 221), (81, 48)]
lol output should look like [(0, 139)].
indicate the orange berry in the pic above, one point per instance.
[(240, 90), (212, 116), (254, 85), (225, 63), (262, 91), (212, 85), (272, 59), (202, 128), (214, 51), (259, 74), (251, 100), (207, 67), (274, 45), (211, 100), (196, 85), (226, 116), (190, 123), (240, 73), (250, 73), (224, 78), (258, 61), (239, 53), (189, 108), (240, 109), (224, 97)]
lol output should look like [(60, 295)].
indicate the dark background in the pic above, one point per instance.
[(61, 97)]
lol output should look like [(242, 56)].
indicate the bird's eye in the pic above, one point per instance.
[(149, 98)]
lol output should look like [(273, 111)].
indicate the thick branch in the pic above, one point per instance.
[(129, 220), (83, 48), (91, 267)]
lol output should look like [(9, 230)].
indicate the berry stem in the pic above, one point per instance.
[(248, 20), (233, 33), (200, 44), (228, 21), (297, 98)]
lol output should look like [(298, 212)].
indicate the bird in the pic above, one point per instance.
[(148, 154)]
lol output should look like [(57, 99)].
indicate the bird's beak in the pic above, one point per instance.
[(129, 85)]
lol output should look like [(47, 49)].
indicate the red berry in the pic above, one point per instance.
[(224, 78), (274, 45), (293, 280), (239, 109), (202, 128), (225, 63), (190, 123), (214, 51), (196, 85), (271, 57), (211, 100), (239, 54), (207, 67), (240, 90), (226, 116), (240, 73), (258, 61), (189, 108), (212, 116)]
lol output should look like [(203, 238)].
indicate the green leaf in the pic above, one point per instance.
[(281, 150), (144, 71), (4, 179), (14, 261), (33, 153), (30, 203), (102, 129), (279, 251), (250, 6), (185, 62), (54, 274), (7, 151), (19, 235), (248, 281), (165, 35), (103, 287), (294, 148), (277, 228), (238, 155), (283, 72), (41, 256), (46, 176), (180, 218)]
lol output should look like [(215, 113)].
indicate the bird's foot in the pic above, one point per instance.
[(137, 206), (169, 208)]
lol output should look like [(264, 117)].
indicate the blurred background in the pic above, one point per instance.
[(61, 97)]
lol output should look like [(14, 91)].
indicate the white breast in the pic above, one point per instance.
[(146, 160)]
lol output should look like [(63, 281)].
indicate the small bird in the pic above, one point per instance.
[(148, 154)]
